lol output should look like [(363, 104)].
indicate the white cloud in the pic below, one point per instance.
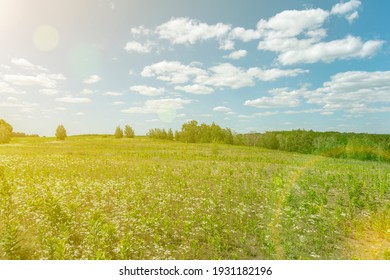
[(118, 103), (92, 79), (87, 91), (236, 54), (71, 99), (281, 98), (291, 23), (275, 73), (273, 102), (172, 71), (221, 75), (27, 65), (227, 75), (159, 106), (266, 114), (222, 109), (137, 47), (140, 30), (80, 114), (7, 88), (351, 18), (297, 36), (195, 89), (349, 47), (147, 91), (346, 8), (189, 31), (112, 93), (226, 44), (43, 80), (245, 35), (354, 92), (49, 91)]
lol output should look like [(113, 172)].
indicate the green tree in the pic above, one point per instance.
[(118, 132), (61, 132), (5, 132), (189, 132), (129, 132), (170, 134)]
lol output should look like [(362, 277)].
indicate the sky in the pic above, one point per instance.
[(257, 65)]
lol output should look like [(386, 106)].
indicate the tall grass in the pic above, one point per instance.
[(105, 198)]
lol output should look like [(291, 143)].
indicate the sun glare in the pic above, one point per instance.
[(46, 38)]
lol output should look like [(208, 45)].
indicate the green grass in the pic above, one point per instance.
[(104, 198)]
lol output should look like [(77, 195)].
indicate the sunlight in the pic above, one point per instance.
[(46, 38)]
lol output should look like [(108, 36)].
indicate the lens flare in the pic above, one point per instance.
[(168, 115), (46, 38)]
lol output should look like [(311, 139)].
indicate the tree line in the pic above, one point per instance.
[(362, 146), (6, 132), (192, 132)]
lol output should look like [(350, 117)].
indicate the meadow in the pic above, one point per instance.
[(103, 198)]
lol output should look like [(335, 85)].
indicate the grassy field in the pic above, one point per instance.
[(104, 198)]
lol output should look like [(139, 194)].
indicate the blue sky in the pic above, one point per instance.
[(248, 65)]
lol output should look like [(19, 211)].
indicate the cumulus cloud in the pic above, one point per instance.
[(112, 93), (236, 54), (195, 89), (71, 99), (118, 103), (93, 79), (189, 31), (137, 47), (27, 65), (352, 17), (245, 35), (275, 73), (346, 8), (159, 106), (43, 80), (173, 72), (222, 109), (349, 47), (353, 92), (87, 91), (7, 88), (49, 91), (221, 75), (227, 75), (140, 30), (280, 98), (297, 36), (291, 23), (147, 91)]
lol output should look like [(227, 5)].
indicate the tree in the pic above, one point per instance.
[(5, 132), (61, 132), (170, 134), (118, 132), (129, 132)]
